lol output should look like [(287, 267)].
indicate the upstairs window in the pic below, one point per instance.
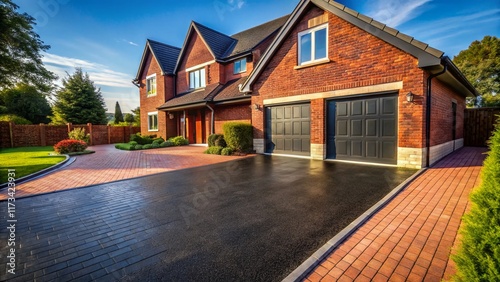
[(313, 46), (197, 79), (240, 66), (151, 85)]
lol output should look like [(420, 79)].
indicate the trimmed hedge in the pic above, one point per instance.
[(212, 138), (214, 150), (142, 139), (179, 141), (238, 136), (478, 258)]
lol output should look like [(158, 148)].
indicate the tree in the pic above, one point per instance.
[(79, 101), (480, 63), (129, 118), (26, 101), (20, 50), (137, 116), (118, 114)]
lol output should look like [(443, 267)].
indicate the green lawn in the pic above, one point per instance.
[(26, 160)]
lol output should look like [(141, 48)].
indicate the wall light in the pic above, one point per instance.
[(256, 107), (171, 116), (409, 97)]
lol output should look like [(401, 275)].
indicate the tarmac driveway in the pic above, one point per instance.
[(253, 219)]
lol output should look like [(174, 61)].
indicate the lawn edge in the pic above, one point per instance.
[(42, 172), (322, 253)]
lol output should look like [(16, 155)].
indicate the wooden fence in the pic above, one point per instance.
[(14, 135), (479, 125)]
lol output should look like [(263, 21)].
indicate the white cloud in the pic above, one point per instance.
[(130, 42), (236, 4), (100, 74), (395, 12)]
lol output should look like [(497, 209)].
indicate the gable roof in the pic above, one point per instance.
[(165, 55), (223, 47), (427, 56)]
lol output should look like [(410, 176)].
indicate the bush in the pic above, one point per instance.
[(179, 141), (15, 119), (238, 135), (214, 150), (142, 140), (138, 147), (226, 151), (79, 134), (133, 143), (147, 146), (478, 258), (167, 144), (158, 140), (155, 145), (70, 146), (221, 142), (212, 138)]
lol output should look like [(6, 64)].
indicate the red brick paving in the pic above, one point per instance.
[(109, 164), (411, 238)]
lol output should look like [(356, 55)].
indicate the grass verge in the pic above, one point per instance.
[(26, 160)]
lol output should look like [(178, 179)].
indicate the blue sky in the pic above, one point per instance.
[(106, 38)]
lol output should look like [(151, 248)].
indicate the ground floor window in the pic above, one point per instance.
[(153, 121)]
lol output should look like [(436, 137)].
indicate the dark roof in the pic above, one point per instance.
[(230, 90), (165, 54), (213, 93), (248, 39), (217, 42)]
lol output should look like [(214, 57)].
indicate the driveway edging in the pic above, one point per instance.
[(322, 253), (69, 160)]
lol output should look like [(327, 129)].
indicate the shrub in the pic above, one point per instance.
[(79, 134), (15, 119), (142, 140), (158, 140), (138, 147), (214, 150), (478, 258), (155, 145), (133, 143), (69, 146), (238, 135), (221, 142), (212, 138), (167, 144), (179, 141), (147, 146), (226, 151)]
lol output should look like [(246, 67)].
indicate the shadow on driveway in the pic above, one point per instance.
[(252, 219)]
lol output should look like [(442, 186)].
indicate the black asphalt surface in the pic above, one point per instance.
[(253, 219)]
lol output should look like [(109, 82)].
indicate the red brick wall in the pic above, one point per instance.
[(357, 59), (196, 53), (164, 92), (442, 113), (26, 135), (227, 113)]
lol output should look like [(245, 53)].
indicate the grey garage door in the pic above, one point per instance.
[(288, 129), (363, 129)]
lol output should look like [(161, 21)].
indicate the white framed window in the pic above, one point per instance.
[(151, 85), (240, 66), (313, 45), (153, 121), (197, 79)]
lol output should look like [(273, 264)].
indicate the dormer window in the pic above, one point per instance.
[(197, 79), (240, 66), (151, 85)]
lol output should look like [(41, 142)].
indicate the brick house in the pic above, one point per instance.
[(191, 91), (335, 84)]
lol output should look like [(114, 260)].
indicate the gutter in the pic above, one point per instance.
[(428, 112)]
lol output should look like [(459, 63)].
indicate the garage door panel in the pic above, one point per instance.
[(363, 129), (288, 129)]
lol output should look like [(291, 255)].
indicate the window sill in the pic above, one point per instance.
[(152, 130), (311, 64), (151, 95)]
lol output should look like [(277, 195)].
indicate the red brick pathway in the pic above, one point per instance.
[(109, 164), (411, 238)]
